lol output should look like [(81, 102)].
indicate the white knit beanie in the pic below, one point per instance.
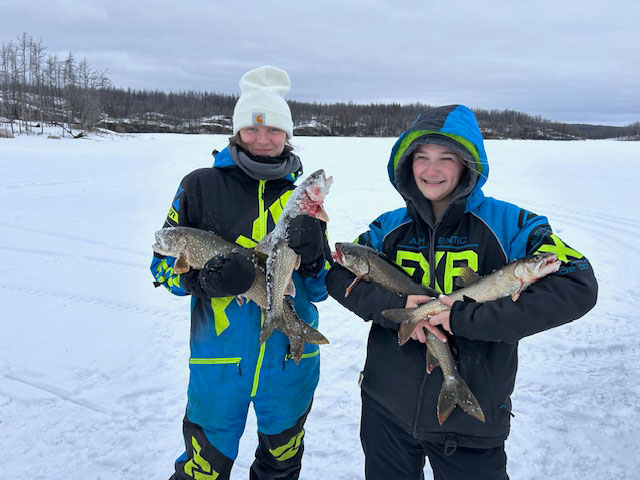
[(262, 102)]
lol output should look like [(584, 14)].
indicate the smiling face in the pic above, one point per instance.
[(263, 141), (437, 171)]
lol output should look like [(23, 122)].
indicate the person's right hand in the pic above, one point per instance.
[(418, 333), (221, 276)]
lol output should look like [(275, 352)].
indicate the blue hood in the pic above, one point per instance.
[(455, 125)]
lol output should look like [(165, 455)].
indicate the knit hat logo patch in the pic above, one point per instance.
[(258, 119)]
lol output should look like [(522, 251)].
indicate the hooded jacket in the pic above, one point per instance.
[(227, 362), (475, 231)]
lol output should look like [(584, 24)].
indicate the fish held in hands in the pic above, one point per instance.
[(510, 280), (306, 199), (192, 248), (372, 266)]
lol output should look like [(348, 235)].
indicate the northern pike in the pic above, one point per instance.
[(370, 265), (510, 280), (306, 199), (193, 247)]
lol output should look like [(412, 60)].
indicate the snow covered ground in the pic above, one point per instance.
[(94, 359)]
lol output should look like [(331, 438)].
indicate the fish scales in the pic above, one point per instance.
[(368, 264), (509, 280), (195, 247), (306, 199)]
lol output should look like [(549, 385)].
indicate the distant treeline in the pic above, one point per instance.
[(37, 89)]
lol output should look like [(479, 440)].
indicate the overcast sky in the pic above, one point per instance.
[(567, 60)]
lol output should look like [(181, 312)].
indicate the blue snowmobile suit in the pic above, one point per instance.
[(478, 232), (228, 367)]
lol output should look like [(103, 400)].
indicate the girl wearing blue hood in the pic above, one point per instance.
[(439, 166)]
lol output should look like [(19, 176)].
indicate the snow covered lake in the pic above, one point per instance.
[(94, 359)]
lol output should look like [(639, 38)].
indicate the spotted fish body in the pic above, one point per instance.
[(372, 266), (368, 264), (279, 268), (511, 280), (192, 248), (306, 199)]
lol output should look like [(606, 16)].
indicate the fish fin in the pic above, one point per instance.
[(432, 361), (446, 401), (181, 265), (297, 331), (321, 214), (467, 400), (398, 315), (311, 335), (260, 256), (466, 277), (405, 331), (263, 245), (291, 289), (515, 296), (296, 348), (351, 287), (454, 393), (430, 292), (240, 300), (296, 266), (266, 330)]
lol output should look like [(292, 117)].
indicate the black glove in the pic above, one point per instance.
[(307, 239), (222, 276)]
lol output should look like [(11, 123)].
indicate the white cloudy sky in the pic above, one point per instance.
[(570, 60)]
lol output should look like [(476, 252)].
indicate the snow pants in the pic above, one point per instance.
[(391, 452), (278, 456)]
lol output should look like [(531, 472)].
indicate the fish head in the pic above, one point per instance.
[(351, 256), (314, 190), (533, 268), (170, 241)]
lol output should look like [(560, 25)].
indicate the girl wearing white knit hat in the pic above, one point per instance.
[(241, 198)]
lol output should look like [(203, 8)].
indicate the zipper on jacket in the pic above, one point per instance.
[(432, 258), (262, 213), (432, 283), (217, 361), (288, 356), (416, 418), (261, 233)]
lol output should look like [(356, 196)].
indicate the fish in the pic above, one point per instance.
[(306, 199), (372, 266), (368, 264), (193, 247), (510, 280)]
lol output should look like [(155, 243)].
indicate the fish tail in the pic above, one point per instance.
[(268, 326), (311, 335), (398, 315), (296, 348), (404, 334), (457, 393)]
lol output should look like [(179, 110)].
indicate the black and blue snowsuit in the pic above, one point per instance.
[(229, 368), (477, 232)]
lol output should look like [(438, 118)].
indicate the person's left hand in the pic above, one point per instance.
[(442, 318), (419, 333), (306, 238)]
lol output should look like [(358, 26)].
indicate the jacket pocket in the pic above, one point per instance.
[(218, 361), (289, 357)]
